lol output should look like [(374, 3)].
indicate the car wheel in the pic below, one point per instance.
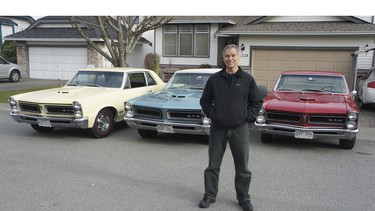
[(14, 76), (42, 129), (347, 143), (103, 124), (266, 138), (147, 133)]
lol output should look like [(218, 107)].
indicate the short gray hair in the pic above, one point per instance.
[(231, 46)]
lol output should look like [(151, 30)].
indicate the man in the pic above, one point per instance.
[(232, 100)]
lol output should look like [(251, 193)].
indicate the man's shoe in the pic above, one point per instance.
[(246, 206), (205, 202)]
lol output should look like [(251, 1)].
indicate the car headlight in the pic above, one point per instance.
[(351, 123), (128, 110), (205, 119), (13, 105), (261, 118), (77, 107)]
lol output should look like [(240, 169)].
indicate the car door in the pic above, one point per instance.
[(4, 68)]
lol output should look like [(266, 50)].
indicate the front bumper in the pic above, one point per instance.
[(168, 127), (54, 121), (318, 132)]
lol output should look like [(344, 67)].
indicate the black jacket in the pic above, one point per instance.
[(231, 105)]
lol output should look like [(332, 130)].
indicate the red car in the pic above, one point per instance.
[(308, 105)]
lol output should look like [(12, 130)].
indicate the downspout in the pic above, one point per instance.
[(353, 74)]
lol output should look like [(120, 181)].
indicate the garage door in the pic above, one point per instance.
[(268, 64), (56, 62)]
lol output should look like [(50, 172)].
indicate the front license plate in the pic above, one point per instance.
[(44, 123), (164, 129), (304, 134)]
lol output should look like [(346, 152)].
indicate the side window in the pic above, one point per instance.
[(2, 61), (137, 80), (150, 80)]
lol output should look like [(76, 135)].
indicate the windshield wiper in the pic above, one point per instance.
[(94, 85), (286, 89), (312, 90)]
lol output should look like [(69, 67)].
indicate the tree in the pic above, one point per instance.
[(120, 34), (9, 51)]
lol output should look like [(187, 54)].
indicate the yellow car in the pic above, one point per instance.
[(93, 99)]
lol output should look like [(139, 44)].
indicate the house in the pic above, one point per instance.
[(13, 24), (269, 44), (51, 48)]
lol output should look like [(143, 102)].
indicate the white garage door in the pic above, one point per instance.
[(268, 64), (56, 62)]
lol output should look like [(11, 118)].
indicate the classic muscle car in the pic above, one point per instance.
[(176, 109), (93, 99), (309, 105)]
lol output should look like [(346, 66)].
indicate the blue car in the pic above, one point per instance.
[(175, 109)]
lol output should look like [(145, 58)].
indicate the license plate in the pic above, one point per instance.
[(164, 129), (304, 134), (44, 123)]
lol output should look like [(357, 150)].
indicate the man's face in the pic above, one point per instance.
[(231, 58)]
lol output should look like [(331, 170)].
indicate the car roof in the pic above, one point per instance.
[(311, 72), (199, 70), (115, 69)]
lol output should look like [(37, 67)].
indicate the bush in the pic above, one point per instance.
[(9, 51), (205, 66)]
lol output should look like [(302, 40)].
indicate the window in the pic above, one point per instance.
[(186, 40), (137, 80), (150, 80)]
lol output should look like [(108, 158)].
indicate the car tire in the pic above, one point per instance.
[(42, 129), (266, 138), (347, 143), (14, 76), (147, 133), (103, 124)]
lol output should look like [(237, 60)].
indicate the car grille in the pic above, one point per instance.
[(333, 120), (59, 109), (48, 109), (27, 107), (284, 117), (185, 115), (147, 112)]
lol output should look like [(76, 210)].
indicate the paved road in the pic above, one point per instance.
[(68, 170)]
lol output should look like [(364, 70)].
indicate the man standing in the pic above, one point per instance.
[(232, 100)]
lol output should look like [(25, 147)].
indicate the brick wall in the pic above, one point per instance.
[(21, 58)]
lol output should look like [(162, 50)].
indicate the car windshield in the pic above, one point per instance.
[(188, 81), (97, 79), (312, 83)]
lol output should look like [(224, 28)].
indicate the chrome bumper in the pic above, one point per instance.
[(182, 128), (55, 121), (318, 132)]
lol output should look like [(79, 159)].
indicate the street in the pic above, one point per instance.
[(68, 170)]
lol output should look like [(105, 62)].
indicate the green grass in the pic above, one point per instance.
[(4, 95)]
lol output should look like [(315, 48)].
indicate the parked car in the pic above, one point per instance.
[(9, 70), (176, 109), (93, 99), (309, 105), (366, 89)]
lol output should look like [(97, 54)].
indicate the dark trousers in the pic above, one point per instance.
[(239, 144)]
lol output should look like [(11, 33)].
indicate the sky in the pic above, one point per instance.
[(40, 8)]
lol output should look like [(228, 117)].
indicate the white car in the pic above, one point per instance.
[(93, 99), (9, 70), (366, 89)]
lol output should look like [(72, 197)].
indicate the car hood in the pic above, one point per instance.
[(63, 95), (307, 102), (171, 99)]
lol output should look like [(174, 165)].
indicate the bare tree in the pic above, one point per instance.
[(120, 34)]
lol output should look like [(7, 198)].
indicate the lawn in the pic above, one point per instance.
[(4, 95)]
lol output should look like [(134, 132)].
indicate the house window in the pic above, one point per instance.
[(186, 40)]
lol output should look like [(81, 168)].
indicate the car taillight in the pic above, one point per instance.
[(371, 84)]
